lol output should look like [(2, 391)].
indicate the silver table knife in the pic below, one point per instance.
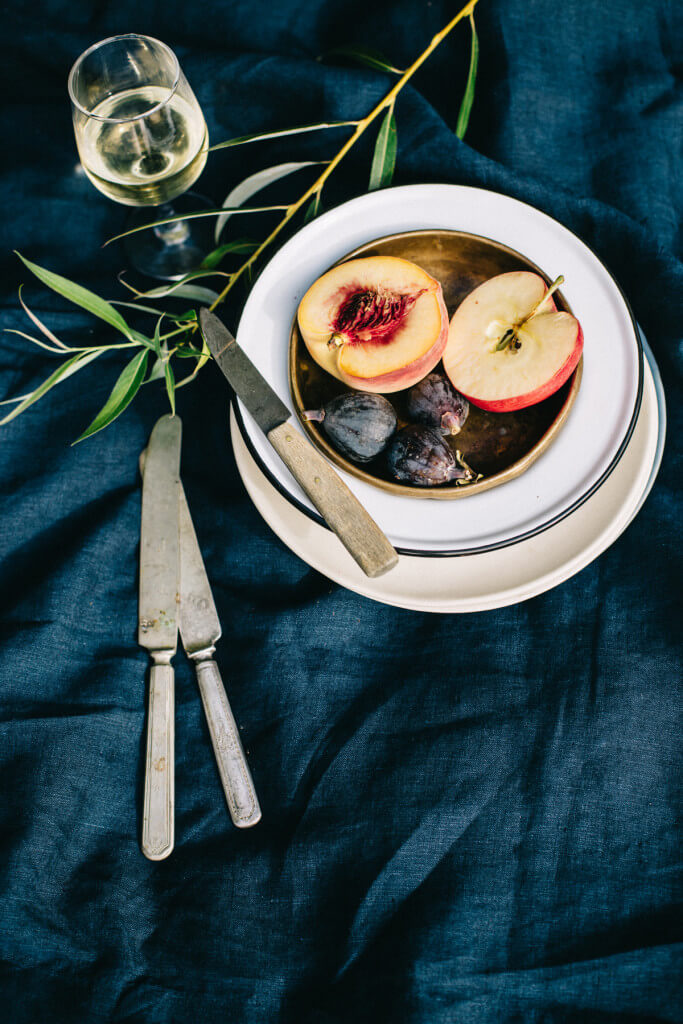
[(200, 630), (158, 627), (340, 509)]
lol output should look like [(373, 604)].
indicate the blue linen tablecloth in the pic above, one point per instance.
[(465, 818)]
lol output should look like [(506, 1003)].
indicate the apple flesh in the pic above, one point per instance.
[(504, 350), (378, 324)]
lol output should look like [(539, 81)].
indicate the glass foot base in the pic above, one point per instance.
[(172, 250)]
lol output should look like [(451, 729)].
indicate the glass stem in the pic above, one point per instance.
[(175, 233)]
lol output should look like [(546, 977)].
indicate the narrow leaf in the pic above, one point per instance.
[(468, 98), (157, 371), (170, 384), (253, 184), (79, 296), (157, 336), (36, 341), (261, 136), (192, 216), (313, 208), (194, 292), (40, 325), (135, 305), (384, 158), (239, 247), (72, 365), (184, 289), (122, 394), (371, 58), (188, 352)]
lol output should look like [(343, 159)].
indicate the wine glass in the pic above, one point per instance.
[(142, 141)]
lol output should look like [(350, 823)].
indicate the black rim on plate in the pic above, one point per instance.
[(496, 545)]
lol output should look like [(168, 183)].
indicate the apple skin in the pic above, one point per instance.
[(406, 376), (539, 394), (506, 299)]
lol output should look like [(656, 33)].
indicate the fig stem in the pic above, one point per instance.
[(510, 339), (449, 422), (316, 415)]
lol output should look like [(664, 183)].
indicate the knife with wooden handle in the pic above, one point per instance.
[(340, 509)]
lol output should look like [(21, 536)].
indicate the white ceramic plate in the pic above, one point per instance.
[(492, 579), (589, 446)]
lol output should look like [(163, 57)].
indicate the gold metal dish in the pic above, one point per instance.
[(500, 446)]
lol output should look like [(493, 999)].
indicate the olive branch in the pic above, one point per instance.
[(176, 342)]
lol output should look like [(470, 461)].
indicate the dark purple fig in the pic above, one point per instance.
[(359, 425), (418, 455), (436, 403)]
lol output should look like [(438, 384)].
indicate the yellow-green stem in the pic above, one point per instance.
[(351, 141)]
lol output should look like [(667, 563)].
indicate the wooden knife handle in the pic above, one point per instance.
[(158, 812), (232, 764), (341, 510)]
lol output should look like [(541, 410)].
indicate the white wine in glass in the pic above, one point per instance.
[(143, 142)]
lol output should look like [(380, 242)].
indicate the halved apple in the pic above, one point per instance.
[(507, 349), (379, 323)]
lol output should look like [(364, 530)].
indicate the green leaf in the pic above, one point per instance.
[(71, 366), (40, 325), (188, 352), (253, 184), (384, 158), (170, 384), (79, 296), (194, 292), (468, 98), (262, 136), (192, 216), (313, 208), (181, 318), (122, 394), (239, 247), (371, 58), (157, 336), (135, 305), (37, 341), (184, 290)]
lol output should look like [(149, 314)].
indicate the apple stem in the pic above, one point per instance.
[(510, 339)]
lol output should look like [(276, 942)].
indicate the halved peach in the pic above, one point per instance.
[(379, 323), (507, 349)]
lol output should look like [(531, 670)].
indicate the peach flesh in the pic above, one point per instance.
[(378, 323)]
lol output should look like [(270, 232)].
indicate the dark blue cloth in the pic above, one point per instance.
[(465, 818)]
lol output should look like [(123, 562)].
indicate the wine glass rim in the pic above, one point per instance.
[(115, 39)]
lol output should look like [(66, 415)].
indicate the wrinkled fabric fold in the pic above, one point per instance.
[(465, 818)]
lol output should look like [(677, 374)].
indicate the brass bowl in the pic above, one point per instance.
[(500, 446)]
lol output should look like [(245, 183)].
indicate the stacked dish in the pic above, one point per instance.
[(560, 503)]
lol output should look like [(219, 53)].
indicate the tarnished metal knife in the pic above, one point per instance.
[(340, 509), (158, 627), (200, 629)]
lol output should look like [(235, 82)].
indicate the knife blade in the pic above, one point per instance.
[(158, 627), (200, 629), (340, 509)]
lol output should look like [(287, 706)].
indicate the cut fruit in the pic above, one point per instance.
[(379, 324), (507, 349)]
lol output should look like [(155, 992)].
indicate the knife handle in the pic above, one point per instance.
[(158, 813), (341, 510), (232, 764)]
